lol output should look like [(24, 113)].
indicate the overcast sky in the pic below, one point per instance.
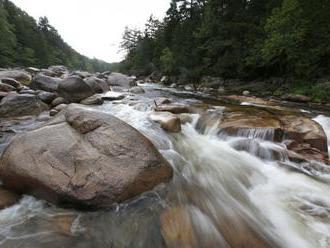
[(95, 27)]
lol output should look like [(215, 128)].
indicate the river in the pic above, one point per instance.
[(227, 191)]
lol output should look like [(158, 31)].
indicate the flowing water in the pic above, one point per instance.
[(227, 191)]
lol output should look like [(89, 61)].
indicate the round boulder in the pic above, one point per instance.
[(98, 85), (83, 158), (74, 89)]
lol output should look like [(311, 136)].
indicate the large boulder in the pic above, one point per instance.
[(74, 89), (121, 80), (21, 105), (19, 75), (98, 85), (83, 158), (46, 83)]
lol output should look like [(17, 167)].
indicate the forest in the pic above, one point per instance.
[(25, 42), (241, 39)]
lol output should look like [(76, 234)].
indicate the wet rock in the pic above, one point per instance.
[(84, 159), (306, 136), (137, 90), (168, 121), (243, 120), (121, 80), (58, 101), (74, 89), (185, 118), (173, 108), (113, 96), (46, 83), (10, 81), (47, 97), (304, 130), (98, 85), (21, 76), (6, 87), (21, 105), (162, 100), (93, 100), (296, 98), (249, 99), (7, 198)]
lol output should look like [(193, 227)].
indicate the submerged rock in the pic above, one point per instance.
[(85, 159)]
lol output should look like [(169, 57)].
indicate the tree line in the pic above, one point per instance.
[(25, 42), (245, 39)]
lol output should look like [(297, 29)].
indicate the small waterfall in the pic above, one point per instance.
[(325, 123)]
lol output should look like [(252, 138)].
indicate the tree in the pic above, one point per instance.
[(7, 39)]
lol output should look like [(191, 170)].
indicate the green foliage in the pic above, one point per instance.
[(167, 61), (244, 39), (23, 42)]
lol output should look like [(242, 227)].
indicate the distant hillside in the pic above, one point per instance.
[(24, 42)]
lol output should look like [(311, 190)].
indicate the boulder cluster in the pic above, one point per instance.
[(80, 158)]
